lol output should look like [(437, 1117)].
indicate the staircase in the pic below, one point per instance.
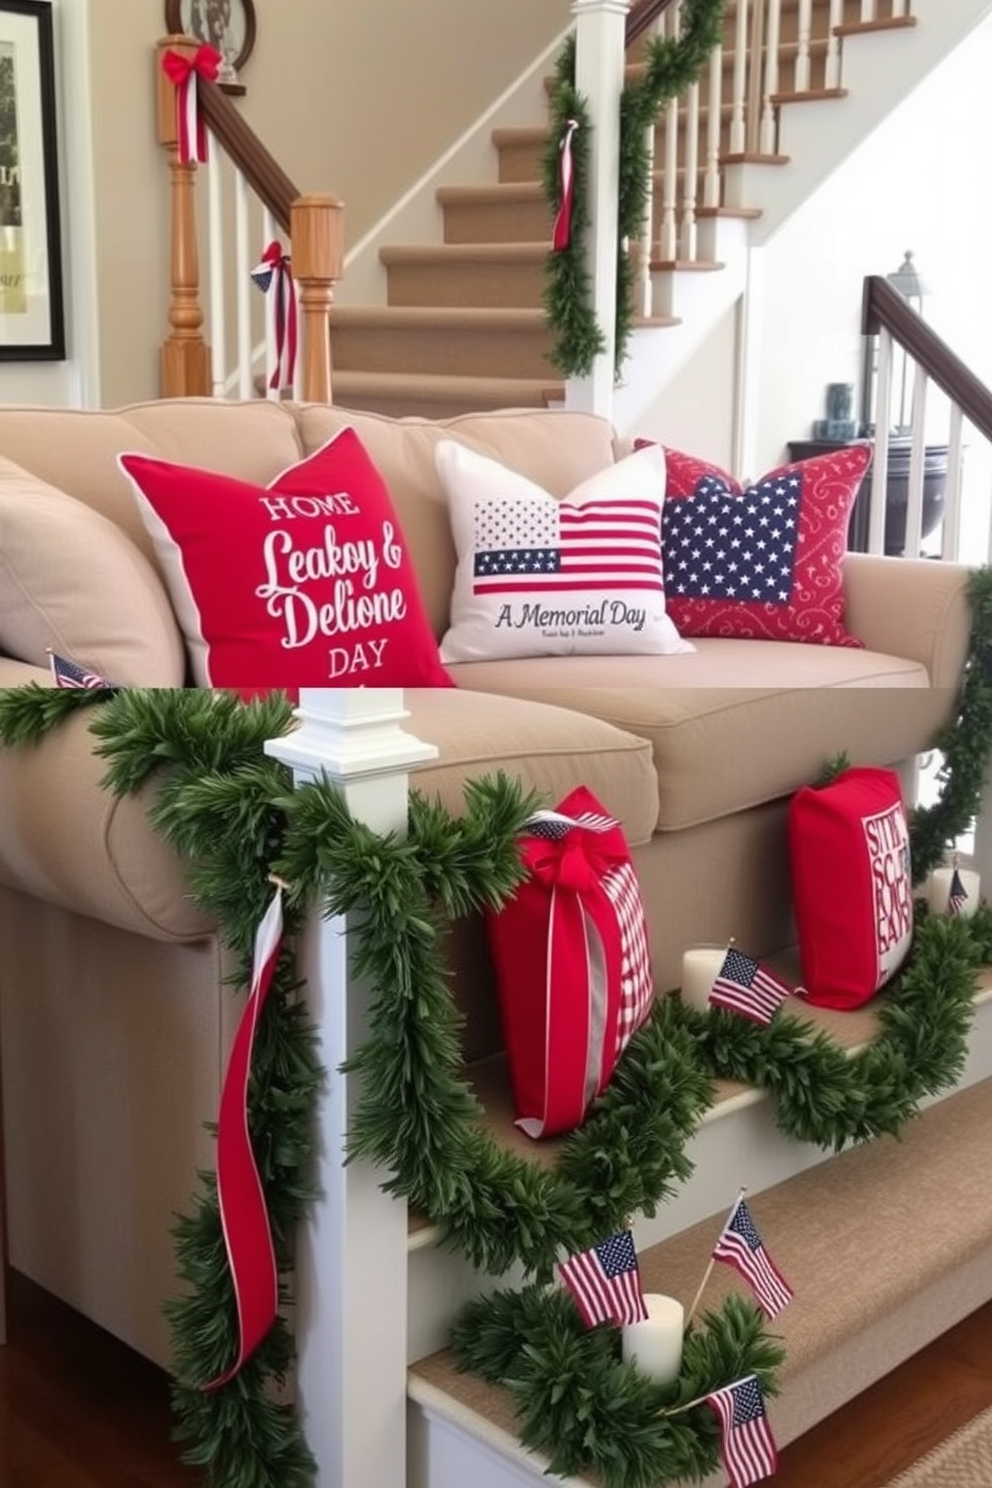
[(462, 326), (886, 1246)]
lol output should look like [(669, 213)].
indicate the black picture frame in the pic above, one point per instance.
[(32, 318), (228, 25)]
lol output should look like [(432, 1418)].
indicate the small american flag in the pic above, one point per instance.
[(740, 1246), (957, 896), (745, 986), (66, 673), (545, 546), (749, 1451), (606, 1282)]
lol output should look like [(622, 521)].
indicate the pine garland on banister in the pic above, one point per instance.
[(671, 65), (233, 816)]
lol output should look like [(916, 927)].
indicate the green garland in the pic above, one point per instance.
[(586, 1410), (671, 66), (232, 815)]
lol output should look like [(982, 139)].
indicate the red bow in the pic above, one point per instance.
[(183, 70), (274, 276), (577, 860)]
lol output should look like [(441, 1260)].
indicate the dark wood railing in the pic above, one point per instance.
[(641, 15), (883, 307), (261, 170)]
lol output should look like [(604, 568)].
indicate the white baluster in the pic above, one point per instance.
[(950, 537), (243, 285), (669, 248), (645, 294), (867, 10), (599, 73), (690, 176), (738, 133), (714, 121), (768, 123), (804, 29), (880, 464), (218, 311), (900, 8), (831, 74), (917, 463), (351, 1279)]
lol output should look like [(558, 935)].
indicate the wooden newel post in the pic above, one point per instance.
[(185, 362), (317, 237)]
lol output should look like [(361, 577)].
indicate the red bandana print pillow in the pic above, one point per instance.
[(305, 582), (764, 562)]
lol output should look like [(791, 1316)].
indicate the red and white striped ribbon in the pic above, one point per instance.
[(566, 188), (183, 71), (274, 276)]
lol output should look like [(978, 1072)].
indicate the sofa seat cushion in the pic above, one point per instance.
[(725, 749), (549, 749), (557, 451)]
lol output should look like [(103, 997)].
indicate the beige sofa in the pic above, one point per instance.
[(115, 1016)]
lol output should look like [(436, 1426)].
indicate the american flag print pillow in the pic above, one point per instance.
[(538, 576), (764, 561)]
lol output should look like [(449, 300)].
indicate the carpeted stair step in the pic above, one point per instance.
[(885, 1245), (444, 340), (415, 394), (516, 212), (487, 275)]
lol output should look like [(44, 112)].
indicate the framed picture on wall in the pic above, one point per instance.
[(32, 325), (226, 25)]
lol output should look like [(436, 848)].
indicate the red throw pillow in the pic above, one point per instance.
[(572, 964), (305, 582), (762, 562), (852, 885)]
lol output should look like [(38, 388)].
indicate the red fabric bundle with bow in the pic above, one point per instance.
[(572, 963)]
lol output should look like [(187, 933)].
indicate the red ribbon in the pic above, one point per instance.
[(244, 1218), (274, 276), (574, 864), (566, 188), (183, 71)]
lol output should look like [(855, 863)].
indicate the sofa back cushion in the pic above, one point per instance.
[(76, 449), (558, 450)]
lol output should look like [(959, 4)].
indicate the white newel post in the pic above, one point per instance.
[(599, 70), (351, 1317)]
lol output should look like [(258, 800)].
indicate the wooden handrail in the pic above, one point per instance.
[(883, 307), (640, 16), (313, 223), (261, 170)]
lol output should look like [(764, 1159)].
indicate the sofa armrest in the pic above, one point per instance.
[(66, 840), (917, 608)]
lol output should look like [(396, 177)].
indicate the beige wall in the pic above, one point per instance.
[(356, 97)]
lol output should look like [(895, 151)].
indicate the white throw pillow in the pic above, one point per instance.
[(542, 577)]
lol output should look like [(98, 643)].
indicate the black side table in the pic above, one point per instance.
[(896, 491)]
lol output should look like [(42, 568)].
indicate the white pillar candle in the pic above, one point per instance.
[(655, 1345), (700, 968), (939, 888)]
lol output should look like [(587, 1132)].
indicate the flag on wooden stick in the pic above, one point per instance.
[(749, 1451), (745, 986), (605, 1282), (741, 1246)]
